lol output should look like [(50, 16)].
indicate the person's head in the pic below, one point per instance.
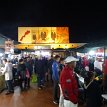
[(21, 61), (61, 60), (4, 61), (8, 60), (70, 61), (51, 56), (57, 58), (28, 59), (71, 64)]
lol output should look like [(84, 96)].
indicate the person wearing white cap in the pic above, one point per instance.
[(68, 83)]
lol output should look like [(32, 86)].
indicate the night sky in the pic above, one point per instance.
[(86, 21)]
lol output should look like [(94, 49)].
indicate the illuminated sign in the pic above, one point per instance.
[(43, 34)]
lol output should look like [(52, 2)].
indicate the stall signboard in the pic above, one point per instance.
[(9, 46), (43, 34), (99, 52)]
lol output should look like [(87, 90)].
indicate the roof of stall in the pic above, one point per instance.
[(101, 43), (94, 45)]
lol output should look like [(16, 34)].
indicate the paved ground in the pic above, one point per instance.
[(30, 98)]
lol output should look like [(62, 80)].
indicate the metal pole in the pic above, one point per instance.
[(104, 54), (104, 71)]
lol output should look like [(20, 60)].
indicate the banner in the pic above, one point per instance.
[(43, 34)]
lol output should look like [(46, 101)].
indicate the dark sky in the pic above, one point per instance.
[(87, 21)]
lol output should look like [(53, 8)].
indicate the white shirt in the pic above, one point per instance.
[(98, 65), (7, 71), (87, 68)]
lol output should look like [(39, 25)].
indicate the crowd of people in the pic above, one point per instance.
[(63, 75)]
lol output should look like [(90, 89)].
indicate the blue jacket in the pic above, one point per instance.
[(55, 70)]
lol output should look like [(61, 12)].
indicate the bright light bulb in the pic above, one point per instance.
[(91, 53)]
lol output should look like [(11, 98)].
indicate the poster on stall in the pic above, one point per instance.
[(9, 46), (43, 34)]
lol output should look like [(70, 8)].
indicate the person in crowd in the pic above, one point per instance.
[(29, 67), (61, 65), (68, 83), (50, 62), (35, 60), (91, 64), (40, 71), (55, 76), (21, 69), (105, 75), (85, 62), (14, 61), (7, 71), (98, 66), (92, 91), (46, 69)]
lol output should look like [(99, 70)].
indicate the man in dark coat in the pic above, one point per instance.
[(21, 69), (50, 62), (40, 71), (29, 66)]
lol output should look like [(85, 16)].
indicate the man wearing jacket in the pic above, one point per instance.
[(55, 76), (68, 83)]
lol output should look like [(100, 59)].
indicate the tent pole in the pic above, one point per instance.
[(104, 72), (104, 53)]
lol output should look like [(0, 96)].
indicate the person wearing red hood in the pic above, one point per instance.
[(69, 84)]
